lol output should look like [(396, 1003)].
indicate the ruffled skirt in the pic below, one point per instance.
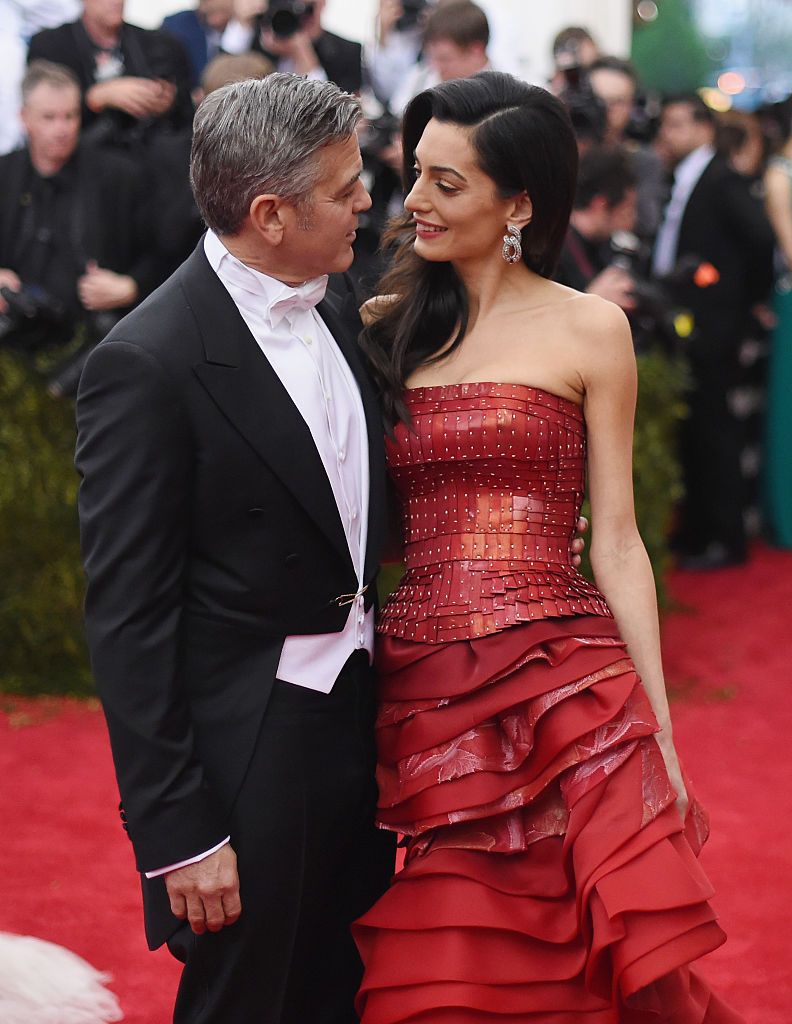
[(548, 876)]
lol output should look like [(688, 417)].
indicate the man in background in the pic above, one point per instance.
[(605, 202), (200, 31), (73, 243), (711, 218), (134, 81)]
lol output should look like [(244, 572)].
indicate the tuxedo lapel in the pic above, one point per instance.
[(249, 393), (342, 319)]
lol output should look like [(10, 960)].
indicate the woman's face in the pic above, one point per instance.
[(456, 208)]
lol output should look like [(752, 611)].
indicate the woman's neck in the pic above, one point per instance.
[(492, 284)]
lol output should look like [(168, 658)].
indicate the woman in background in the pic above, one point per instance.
[(525, 744), (778, 450)]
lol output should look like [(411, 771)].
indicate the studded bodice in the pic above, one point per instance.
[(491, 480)]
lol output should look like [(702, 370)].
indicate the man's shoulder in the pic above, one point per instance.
[(51, 40), (181, 20), (164, 324)]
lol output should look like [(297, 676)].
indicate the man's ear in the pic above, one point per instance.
[(521, 210), (266, 216)]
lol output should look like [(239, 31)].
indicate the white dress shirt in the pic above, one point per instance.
[(312, 368), (686, 177)]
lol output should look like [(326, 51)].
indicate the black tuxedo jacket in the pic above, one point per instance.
[(209, 533), (725, 224), (111, 225), (147, 54)]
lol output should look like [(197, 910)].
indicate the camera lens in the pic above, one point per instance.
[(285, 23)]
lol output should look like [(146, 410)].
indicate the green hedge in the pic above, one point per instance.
[(42, 649), (41, 583)]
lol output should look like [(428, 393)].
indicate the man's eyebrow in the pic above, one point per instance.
[(351, 182)]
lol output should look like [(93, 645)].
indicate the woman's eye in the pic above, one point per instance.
[(449, 190)]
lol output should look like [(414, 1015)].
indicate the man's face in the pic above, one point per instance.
[(680, 133), (216, 13), (322, 231), (452, 61), (51, 117), (107, 13), (617, 92)]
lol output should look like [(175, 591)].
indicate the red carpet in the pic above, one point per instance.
[(66, 867)]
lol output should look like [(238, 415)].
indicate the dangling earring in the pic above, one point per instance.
[(512, 244)]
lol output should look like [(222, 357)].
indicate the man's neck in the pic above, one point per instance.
[(44, 167), (585, 226), (250, 254), (103, 36)]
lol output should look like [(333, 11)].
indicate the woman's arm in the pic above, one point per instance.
[(778, 200), (621, 566)]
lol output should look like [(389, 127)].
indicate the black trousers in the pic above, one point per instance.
[(711, 442), (310, 861)]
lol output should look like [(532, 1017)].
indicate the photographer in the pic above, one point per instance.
[(72, 247), (290, 34), (134, 81), (605, 203), (396, 47)]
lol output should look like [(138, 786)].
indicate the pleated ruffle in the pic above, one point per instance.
[(548, 876)]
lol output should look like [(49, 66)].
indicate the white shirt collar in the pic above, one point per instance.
[(273, 298), (689, 170)]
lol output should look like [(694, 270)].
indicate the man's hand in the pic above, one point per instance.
[(104, 289), (614, 284), (298, 48), (8, 279), (579, 543), (140, 97), (207, 893)]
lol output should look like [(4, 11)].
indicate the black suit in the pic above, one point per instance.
[(210, 533), (146, 54), (723, 224)]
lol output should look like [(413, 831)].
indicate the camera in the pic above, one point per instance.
[(286, 17), (657, 317), (34, 319), (377, 133), (413, 11)]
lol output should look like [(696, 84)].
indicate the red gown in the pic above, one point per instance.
[(548, 877)]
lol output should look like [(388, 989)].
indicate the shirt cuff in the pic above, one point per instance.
[(192, 860)]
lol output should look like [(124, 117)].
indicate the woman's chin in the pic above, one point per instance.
[(431, 251)]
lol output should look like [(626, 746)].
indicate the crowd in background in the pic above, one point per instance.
[(682, 217)]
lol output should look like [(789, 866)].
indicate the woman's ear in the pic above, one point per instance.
[(521, 210)]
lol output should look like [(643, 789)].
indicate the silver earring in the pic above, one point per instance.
[(512, 244)]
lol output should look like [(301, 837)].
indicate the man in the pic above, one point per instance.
[(200, 32), (135, 82), (308, 50), (455, 40), (615, 83), (713, 218), (71, 226), (605, 201), (232, 510)]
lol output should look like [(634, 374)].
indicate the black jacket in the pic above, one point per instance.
[(147, 54), (209, 534), (110, 224), (725, 224)]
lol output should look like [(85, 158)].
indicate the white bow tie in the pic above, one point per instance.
[(292, 300)]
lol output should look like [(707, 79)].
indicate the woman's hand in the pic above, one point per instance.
[(667, 749)]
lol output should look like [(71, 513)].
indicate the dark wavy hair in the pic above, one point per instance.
[(524, 141)]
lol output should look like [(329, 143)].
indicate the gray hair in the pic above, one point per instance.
[(262, 136), (45, 71)]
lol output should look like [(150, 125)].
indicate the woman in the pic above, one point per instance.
[(548, 875), (778, 456)]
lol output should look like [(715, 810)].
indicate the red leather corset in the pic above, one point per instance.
[(491, 480)]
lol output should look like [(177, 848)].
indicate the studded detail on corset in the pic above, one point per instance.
[(491, 479)]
